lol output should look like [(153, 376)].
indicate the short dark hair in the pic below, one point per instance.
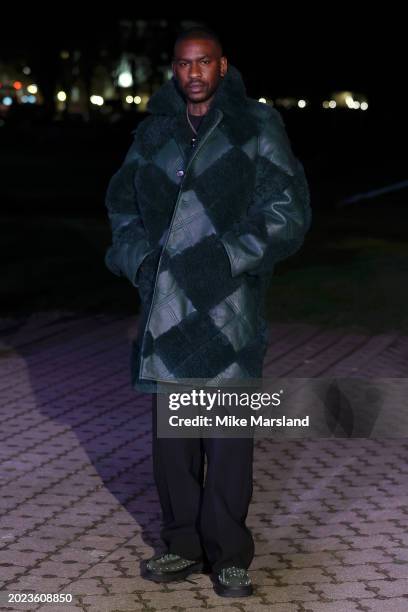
[(198, 32)]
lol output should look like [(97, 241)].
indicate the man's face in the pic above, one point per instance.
[(198, 67)]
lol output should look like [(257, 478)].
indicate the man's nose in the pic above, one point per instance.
[(195, 71)]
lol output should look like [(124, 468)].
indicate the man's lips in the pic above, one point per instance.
[(195, 86)]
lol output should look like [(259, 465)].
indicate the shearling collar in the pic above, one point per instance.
[(230, 96)]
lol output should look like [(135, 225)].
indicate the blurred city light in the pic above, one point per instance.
[(287, 102), (125, 79), (127, 71), (349, 101), (75, 94), (97, 100)]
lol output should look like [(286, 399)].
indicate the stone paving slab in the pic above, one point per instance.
[(79, 510)]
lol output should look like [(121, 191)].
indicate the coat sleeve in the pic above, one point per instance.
[(279, 215), (130, 243)]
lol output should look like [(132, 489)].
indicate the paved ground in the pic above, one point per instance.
[(79, 509)]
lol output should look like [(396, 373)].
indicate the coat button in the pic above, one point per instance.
[(180, 172)]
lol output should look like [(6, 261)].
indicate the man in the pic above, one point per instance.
[(208, 199)]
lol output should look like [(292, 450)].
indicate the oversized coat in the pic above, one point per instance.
[(199, 232)]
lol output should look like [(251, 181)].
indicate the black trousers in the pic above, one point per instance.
[(204, 520)]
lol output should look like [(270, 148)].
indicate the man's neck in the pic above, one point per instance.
[(199, 108)]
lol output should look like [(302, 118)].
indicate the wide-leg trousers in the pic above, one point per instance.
[(204, 518)]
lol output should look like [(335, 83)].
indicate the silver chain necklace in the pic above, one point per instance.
[(189, 122)]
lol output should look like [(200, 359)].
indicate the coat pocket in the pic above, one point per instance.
[(146, 274)]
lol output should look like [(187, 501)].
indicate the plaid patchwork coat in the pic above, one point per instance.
[(198, 232)]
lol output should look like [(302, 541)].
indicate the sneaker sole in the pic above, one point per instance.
[(227, 591), (171, 576)]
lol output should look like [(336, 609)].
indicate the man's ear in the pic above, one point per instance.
[(224, 66)]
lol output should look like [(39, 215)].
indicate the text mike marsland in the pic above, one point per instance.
[(233, 421)]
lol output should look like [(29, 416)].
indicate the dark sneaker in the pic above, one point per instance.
[(232, 582), (169, 567)]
